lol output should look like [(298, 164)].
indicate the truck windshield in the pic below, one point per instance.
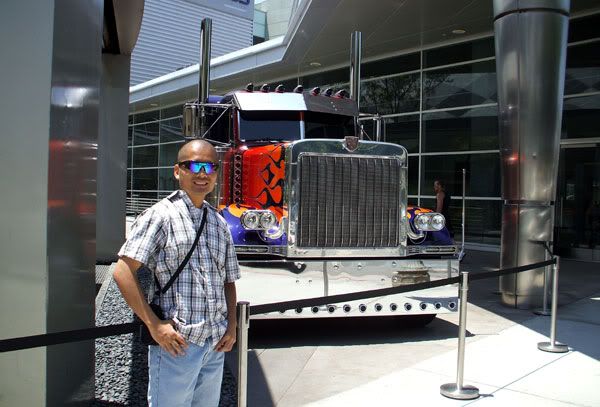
[(326, 125), (269, 125)]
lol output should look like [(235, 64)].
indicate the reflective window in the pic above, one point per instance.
[(578, 207), (166, 180), (171, 130), (390, 66), (130, 135), (403, 130), (145, 134), (168, 154), (170, 112), (128, 179), (583, 69), (129, 155), (483, 173), (413, 175), (467, 51), (461, 130), (145, 179), (464, 85), (581, 117), (482, 219), (397, 94), (147, 116), (145, 156), (326, 78), (584, 28)]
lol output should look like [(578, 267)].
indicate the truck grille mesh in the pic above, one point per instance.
[(348, 201)]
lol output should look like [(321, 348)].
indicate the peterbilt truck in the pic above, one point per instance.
[(313, 207)]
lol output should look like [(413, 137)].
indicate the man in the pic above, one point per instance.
[(200, 307), (442, 205)]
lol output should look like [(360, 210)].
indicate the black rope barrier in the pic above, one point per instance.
[(56, 338)]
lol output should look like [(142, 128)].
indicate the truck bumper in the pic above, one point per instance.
[(265, 282)]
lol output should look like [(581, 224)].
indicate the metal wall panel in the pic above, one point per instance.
[(170, 33), (24, 166), (71, 236)]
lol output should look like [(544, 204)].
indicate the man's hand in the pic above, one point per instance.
[(168, 338), (227, 341)]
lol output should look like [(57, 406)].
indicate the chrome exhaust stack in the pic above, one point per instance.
[(194, 114), (355, 57)]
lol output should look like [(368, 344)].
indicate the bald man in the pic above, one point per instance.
[(186, 367)]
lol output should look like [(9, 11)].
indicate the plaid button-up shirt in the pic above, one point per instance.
[(161, 237)]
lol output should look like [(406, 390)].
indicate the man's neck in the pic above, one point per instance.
[(196, 199)]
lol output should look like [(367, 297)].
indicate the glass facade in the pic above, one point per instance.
[(440, 104)]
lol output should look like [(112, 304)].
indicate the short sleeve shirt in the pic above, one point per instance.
[(161, 237)]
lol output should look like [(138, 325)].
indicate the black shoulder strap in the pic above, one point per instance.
[(185, 261)]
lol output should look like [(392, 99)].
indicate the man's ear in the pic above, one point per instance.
[(176, 171)]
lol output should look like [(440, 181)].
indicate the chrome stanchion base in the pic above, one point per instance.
[(557, 347), (452, 391), (542, 312)]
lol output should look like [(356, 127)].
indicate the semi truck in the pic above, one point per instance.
[(314, 208)]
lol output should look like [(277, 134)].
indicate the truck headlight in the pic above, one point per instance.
[(430, 222), (267, 220), (258, 220), (249, 220)]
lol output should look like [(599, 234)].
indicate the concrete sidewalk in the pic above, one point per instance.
[(373, 362)]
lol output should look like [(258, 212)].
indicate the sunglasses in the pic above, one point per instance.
[(197, 166)]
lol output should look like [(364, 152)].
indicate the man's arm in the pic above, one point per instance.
[(227, 341), (162, 331), (440, 202)]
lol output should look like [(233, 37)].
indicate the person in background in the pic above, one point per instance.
[(442, 199)]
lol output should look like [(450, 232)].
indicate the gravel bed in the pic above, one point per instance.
[(122, 361)]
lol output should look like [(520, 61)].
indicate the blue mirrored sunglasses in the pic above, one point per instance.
[(197, 166)]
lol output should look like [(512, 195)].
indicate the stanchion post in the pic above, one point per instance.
[(243, 322), (457, 390), (461, 254), (553, 346), (544, 311)]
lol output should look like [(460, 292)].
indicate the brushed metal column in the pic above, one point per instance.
[(531, 41)]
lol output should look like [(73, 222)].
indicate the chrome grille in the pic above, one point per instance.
[(348, 201)]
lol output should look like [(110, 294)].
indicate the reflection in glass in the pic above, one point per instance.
[(583, 69), (580, 117), (169, 112), (483, 173), (166, 180), (145, 156), (452, 54), (398, 94), (168, 154), (129, 135), (145, 134), (403, 130), (464, 85), (171, 130), (578, 206), (145, 179), (482, 219), (461, 130), (390, 66), (129, 155), (146, 116), (413, 175)]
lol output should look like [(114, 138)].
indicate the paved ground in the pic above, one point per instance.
[(378, 361)]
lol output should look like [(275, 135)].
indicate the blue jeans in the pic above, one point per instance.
[(193, 379)]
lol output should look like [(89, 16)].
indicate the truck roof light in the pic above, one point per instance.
[(280, 89), (249, 87), (265, 88), (298, 89), (328, 92), (315, 91), (341, 94)]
